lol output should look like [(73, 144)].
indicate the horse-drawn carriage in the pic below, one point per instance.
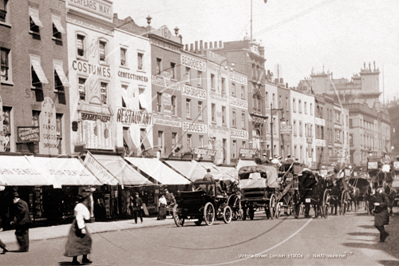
[(205, 203), (258, 185)]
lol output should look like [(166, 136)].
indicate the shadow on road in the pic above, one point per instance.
[(388, 262), (364, 233)]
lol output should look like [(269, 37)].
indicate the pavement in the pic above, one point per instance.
[(60, 231)]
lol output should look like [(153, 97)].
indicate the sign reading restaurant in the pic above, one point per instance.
[(128, 117), (98, 7), (193, 127), (194, 63), (193, 92)]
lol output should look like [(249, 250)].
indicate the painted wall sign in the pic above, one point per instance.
[(194, 63), (87, 68), (48, 128), (319, 121), (215, 129), (238, 103), (236, 133), (204, 152), (166, 120), (238, 78), (166, 101), (128, 117), (193, 92), (286, 130), (247, 153), (127, 75), (218, 96), (28, 134), (165, 82), (320, 142), (372, 165), (89, 26), (95, 117), (97, 134), (193, 127), (98, 7)]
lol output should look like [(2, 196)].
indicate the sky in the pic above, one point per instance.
[(299, 35)]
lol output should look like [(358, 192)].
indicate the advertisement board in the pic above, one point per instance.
[(204, 152), (247, 153), (372, 165), (286, 130), (28, 134)]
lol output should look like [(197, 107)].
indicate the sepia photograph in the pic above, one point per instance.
[(199, 133)]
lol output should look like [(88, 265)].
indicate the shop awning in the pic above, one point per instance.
[(99, 171), (18, 171), (142, 101), (158, 170), (230, 173), (60, 72), (35, 62), (122, 171), (64, 171), (191, 170), (242, 163), (57, 23), (34, 15)]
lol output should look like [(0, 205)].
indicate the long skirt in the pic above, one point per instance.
[(381, 218), (77, 244)]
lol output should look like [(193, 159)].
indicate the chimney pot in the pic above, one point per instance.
[(186, 47), (276, 81), (115, 15), (181, 38), (216, 44), (201, 46), (196, 47), (286, 85), (191, 47), (210, 45), (220, 44), (206, 45), (281, 81)]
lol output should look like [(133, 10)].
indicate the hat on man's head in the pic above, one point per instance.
[(85, 192), (15, 194), (264, 154), (208, 170), (289, 156), (275, 156)]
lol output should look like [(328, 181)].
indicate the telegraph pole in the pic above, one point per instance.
[(272, 111)]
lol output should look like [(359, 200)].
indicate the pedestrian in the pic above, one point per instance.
[(79, 239), (22, 222), (162, 208), (208, 176), (136, 207), (381, 216), (2, 245)]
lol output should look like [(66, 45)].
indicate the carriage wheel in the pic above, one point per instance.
[(344, 202), (277, 210), (179, 220), (235, 205), (209, 213), (326, 203), (227, 214), (272, 205), (198, 223)]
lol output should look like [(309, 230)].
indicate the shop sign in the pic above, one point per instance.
[(127, 75), (204, 152), (95, 117), (236, 133), (320, 142), (97, 7), (372, 165), (247, 153), (193, 92), (166, 101), (48, 128), (218, 96), (238, 78), (238, 103), (28, 134), (98, 170), (166, 120), (319, 121), (215, 129), (219, 156), (193, 127), (91, 69), (286, 130), (97, 135), (128, 117), (309, 140), (194, 63), (386, 159), (165, 82), (1, 126)]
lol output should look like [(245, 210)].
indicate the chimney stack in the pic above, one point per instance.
[(220, 44), (191, 47), (286, 85), (210, 45), (181, 39), (206, 46), (216, 44), (116, 15), (281, 81), (186, 47), (201, 47), (196, 47)]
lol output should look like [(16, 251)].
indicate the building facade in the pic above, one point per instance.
[(320, 132), (34, 83), (284, 118)]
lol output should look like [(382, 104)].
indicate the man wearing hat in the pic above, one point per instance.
[(208, 176), (289, 159), (22, 222), (381, 216)]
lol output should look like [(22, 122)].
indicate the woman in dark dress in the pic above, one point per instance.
[(79, 239)]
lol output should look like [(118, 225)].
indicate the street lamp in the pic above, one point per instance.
[(271, 126)]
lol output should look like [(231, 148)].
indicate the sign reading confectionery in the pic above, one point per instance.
[(28, 134), (193, 127), (238, 103), (97, 131), (48, 128)]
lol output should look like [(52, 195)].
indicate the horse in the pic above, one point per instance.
[(355, 198)]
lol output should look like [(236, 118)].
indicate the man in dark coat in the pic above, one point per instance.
[(136, 207), (208, 176), (381, 213), (22, 221)]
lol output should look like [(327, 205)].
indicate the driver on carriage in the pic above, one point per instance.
[(209, 177)]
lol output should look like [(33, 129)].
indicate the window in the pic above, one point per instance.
[(7, 128), (299, 106), (300, 128), (293, 105), (173, 70), (35, 23), (305, 108), (350, 123), (267, 100), (104, 88), (295, 128), (80, 45), (274, 126), (159, 102), (161, 141), (59, 88), (243, 92), (274, 100), (311, 110), (243, 120), (159, 66), (173, 98), (174, 139), (5, 64), (280, 102), (58, 30), (322, 132), (37, 78), (58, 118), (233, 122), (213, 81), (244, 144), (124, 92), (189, 136), (187, 75), (213, 112), (82, 89), (188, 108), (223, 86), (286, 104), (4, 11), (201, 140), (140, 57), (223, 115), (233, 89), (200, 111), (199, 78), (102, 51), (234, 149), (142, 100), (123, 57)]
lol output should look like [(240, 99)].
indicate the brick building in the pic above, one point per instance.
[(34, 83)]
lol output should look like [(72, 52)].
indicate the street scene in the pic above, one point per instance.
[(229, 132)]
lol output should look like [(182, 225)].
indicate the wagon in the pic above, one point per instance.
[(202, 204), (258, 185)]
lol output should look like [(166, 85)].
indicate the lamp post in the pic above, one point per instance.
[(271, 125)]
